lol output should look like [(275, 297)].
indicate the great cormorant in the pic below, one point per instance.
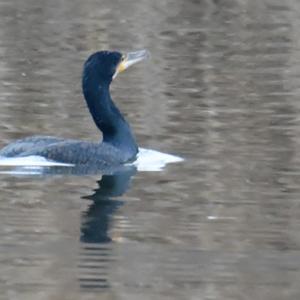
[(118, 145)]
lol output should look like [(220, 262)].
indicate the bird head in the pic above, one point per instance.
[(106, 65)]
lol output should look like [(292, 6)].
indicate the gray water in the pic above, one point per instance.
[(221, 90)]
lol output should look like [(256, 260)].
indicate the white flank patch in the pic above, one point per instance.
[(30, 161)]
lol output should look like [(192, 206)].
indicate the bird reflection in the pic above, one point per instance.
[(95, 221), (95, 226)]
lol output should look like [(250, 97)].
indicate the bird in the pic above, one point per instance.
[(118, 145)]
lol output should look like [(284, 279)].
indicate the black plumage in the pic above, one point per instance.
[(118, 145)]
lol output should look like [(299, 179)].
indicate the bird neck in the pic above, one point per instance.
[(107, 117)]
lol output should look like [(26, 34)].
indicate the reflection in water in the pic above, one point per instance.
[(95, 221), (95, 228)]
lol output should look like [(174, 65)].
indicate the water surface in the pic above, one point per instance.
[(221, 90)]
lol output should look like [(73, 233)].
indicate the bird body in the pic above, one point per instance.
[(66, 151), (118, 145)]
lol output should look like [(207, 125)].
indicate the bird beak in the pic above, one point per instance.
[(130, 59)]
